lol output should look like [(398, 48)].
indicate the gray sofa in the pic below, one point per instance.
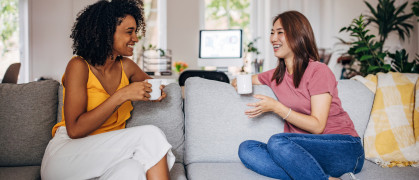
[(205, 128)]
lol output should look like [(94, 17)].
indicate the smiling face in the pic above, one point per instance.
[(279, 42), (125, 37)]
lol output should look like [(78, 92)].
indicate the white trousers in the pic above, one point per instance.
[(121, 154)]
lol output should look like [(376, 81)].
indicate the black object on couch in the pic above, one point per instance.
[(211, 75)]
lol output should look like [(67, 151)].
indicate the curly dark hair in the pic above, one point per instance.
[(95, 27)]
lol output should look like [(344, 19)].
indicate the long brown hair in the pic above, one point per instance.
[(300, 38)]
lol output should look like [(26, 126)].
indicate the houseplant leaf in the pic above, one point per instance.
[(365, 57)]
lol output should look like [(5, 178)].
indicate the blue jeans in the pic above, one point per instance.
[(303, 156)]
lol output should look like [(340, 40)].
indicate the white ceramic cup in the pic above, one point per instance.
[(244, 84), (155, 88)]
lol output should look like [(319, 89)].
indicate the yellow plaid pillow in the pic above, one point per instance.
[(392, 135)]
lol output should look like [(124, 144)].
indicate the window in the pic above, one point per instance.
[(155, 19), (228, 14), (152, 26), (9, 34)]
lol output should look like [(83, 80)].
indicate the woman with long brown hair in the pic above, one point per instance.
[(319, 139)]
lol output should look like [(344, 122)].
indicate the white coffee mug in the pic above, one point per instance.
[(155, 88), (244, 84)]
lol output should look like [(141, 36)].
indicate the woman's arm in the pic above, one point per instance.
[(135, 74), (313, 123), (133, 71), (255, 80), (79, 121)]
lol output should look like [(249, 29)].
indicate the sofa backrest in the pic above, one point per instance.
[(167, 115), (215, 123), (60, 104), (357, 101), (27, 114)]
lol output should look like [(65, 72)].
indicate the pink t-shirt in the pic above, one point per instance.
[(317, 79)]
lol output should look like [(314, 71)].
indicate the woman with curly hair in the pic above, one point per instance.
[(319, 139), (98, 86)]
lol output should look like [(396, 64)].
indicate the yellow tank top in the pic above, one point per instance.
[(96, 95)]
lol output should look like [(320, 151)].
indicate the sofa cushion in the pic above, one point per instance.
[(60, 104), (204, 171), (210, 171), (374, 171), (21, 173), (27, 114), (357, 101), (33, 172), (167, 115), (215, 123), (178, 172)]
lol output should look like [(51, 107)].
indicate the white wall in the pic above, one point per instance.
[(50, 28), (50, 23), (49, 35), (183, 30)]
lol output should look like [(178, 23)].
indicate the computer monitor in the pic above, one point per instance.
[(220, 48)]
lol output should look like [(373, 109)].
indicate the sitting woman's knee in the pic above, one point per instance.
[(278, 141), (246, 148)]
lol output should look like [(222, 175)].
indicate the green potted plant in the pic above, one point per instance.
[(389, 18), (401, 64), (415, 9), (365, 50), (367, 56)]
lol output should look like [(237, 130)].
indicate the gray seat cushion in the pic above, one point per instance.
[(216, 124), (222, 171), (372, 171), (20, 173), (178, 172), (27, 114), (227, 171), (167, 115)]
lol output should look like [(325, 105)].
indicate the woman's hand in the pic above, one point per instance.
[(265, 104), (163, 94), (137, 91), (234, 83)]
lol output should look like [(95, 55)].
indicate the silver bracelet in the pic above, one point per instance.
[(289, 112)]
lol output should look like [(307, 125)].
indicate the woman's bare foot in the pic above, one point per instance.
[(333, 178)]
